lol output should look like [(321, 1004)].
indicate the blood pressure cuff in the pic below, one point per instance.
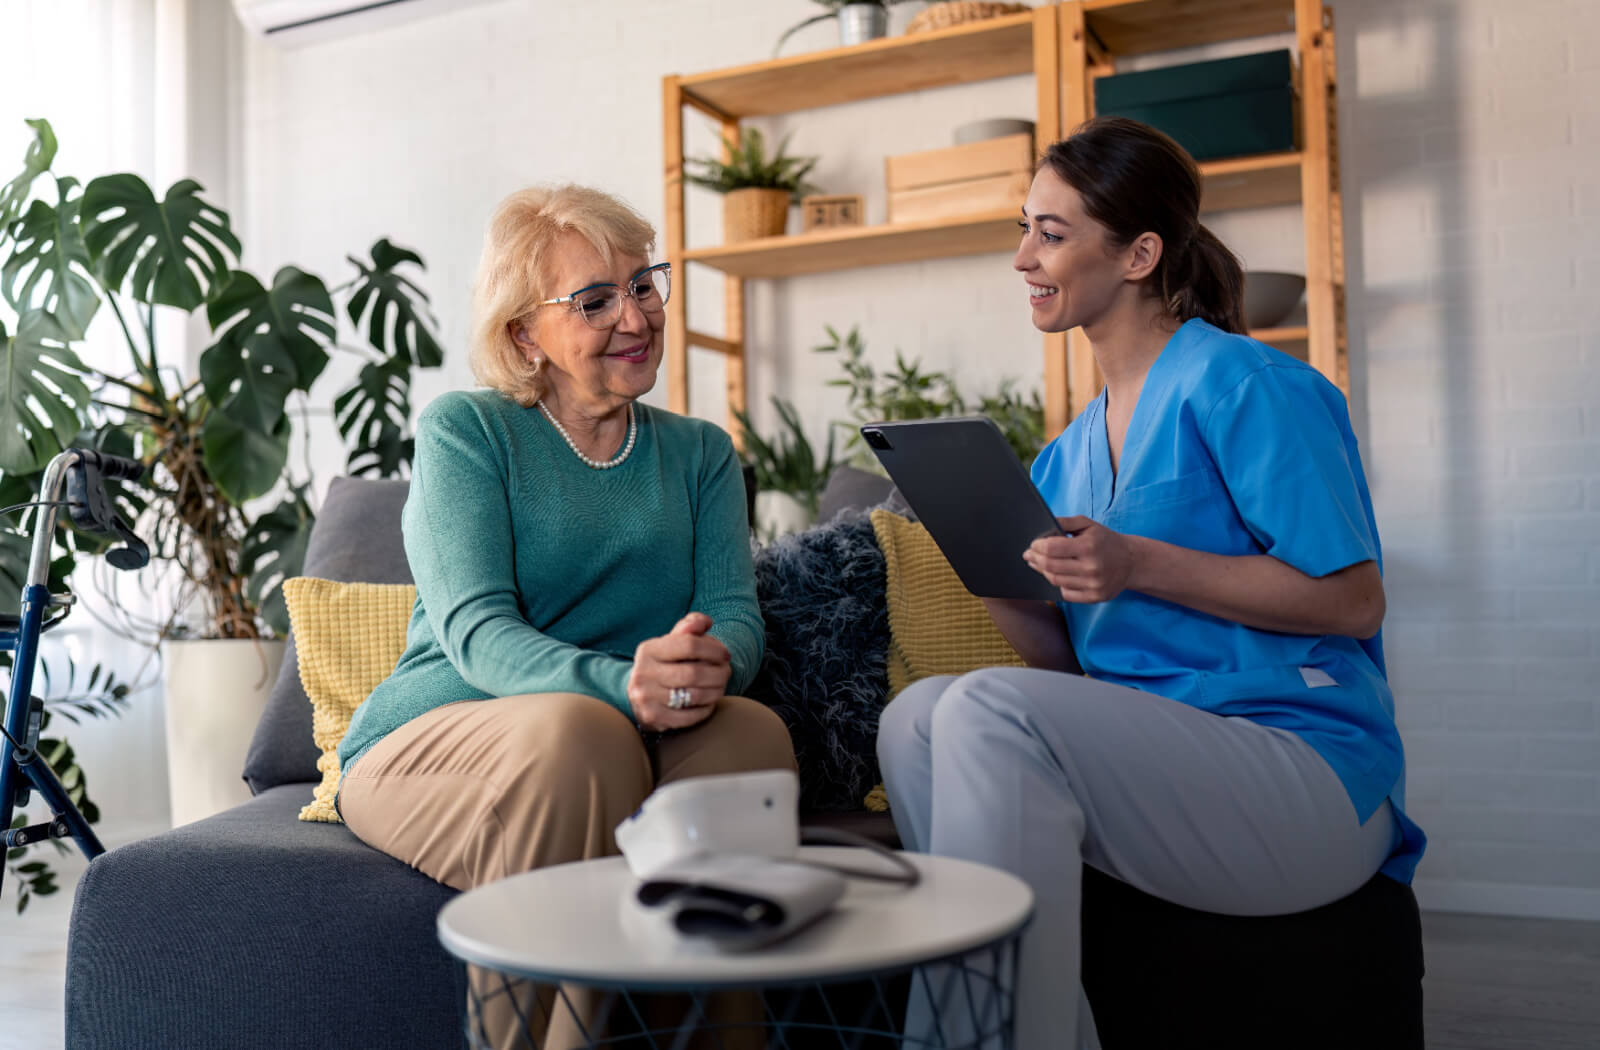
[(736, 902)]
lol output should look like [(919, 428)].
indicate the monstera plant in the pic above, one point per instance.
[(221, 502)]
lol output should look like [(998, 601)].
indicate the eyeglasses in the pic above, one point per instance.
[(601, 304)]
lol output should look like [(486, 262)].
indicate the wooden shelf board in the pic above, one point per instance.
[(1250, 182), (853, 246), (1285, 338), (1132, 27), (996, 47)]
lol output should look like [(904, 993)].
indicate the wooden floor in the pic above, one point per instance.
[(1511, 984), (1492, 984)]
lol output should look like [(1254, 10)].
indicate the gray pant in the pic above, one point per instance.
[(1038, 773)]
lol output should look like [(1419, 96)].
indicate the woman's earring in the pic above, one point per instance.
[(537, 362)]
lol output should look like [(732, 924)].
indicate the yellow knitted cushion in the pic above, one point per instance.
[(348, 637), (936, 626)]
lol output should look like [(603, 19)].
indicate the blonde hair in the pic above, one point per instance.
[(513, 276)]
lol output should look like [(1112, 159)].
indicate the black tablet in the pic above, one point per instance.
[(973, 495)]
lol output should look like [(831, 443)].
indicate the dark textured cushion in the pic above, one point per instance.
[(252, 930), (356, 539), (851, 488), (824, 671)]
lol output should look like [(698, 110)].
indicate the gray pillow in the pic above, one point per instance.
[(356, 539), (851, 488)]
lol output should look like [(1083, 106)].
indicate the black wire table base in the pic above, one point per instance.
[(967, 1002)]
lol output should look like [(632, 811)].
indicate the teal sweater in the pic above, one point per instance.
[(538, 574)]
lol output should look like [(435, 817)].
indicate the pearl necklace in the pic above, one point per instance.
[(633, 432)]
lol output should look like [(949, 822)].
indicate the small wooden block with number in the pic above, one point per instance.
[(838, 210)]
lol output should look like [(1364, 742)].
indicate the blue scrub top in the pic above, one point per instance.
[(1236, 448)]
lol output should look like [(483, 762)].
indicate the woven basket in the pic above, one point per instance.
[(949, 13), (754, 212)]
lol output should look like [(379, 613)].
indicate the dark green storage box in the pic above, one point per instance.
[(1226, 108)]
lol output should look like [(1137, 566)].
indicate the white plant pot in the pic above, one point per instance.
[(779, 514), (216, 690)]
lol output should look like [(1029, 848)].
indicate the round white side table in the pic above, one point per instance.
[(955, 934)]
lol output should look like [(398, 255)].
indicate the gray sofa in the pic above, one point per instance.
[(253, 930)]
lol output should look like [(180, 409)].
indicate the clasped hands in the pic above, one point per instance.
[(686, 660), (1090, 564)]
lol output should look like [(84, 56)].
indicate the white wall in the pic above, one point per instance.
[(1469, 131), (1472, 141)]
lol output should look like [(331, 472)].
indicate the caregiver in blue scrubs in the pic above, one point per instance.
[(1232, 745)]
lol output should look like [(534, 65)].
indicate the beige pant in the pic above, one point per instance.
[(478, 790)]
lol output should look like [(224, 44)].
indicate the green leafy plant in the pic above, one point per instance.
[(909, 392), (748, 167), (101, 695), (218, 442), (787, 463)]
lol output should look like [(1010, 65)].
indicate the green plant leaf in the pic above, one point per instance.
[(274, 549), (173, 252), (103, 695), (49, 265), (747, 165), (14, 550), (42, 393), (270, 341), (373, 416), (243, 461), (788, 462), (397, 320), (40, 155)]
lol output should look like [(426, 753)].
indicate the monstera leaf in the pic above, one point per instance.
[(243, 461), (274, 550), (294, 320), (372, 417), (164, 249), (271, 345), (49, 266), (395, 308), (41, 154), (42, 393), (16, 543)]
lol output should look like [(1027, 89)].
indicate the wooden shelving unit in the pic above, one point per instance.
[(1064, 46)]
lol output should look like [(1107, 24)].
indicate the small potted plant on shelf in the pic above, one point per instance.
[(859, 21), (757, 189)]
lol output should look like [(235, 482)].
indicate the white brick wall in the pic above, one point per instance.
[(1472, 146), (1471, 143)]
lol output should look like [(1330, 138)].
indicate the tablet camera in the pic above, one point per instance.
[(876, 438)]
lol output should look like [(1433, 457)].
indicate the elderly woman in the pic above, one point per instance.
[(585, 596)]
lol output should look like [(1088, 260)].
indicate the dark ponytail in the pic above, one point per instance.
[(1134, 180)]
